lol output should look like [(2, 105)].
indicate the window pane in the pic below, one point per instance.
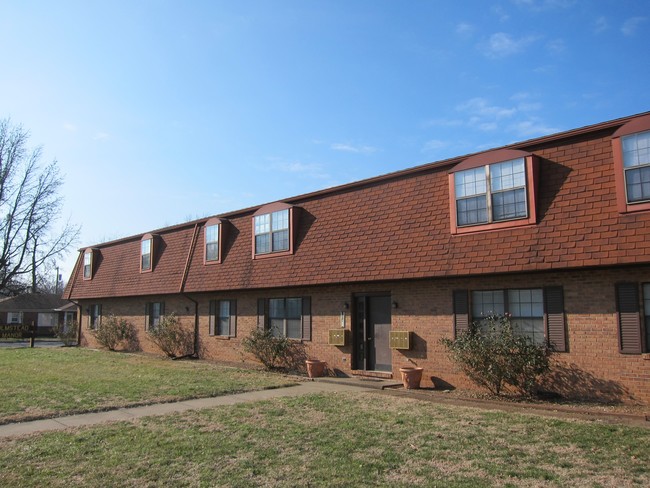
[(276, 308), (262, 224), (212, 251), (636, 149), (507, 175), (223, 326), (294, 328), (262, 244), (638, 184), (531, 328), (224, 309), (294, 308), (212, 233), (472, 210), (526, 303), (470, 182), (486, 303), (281, 240), (212, 243), (276, 327), (145, 248), (509, 204), (280, 220)]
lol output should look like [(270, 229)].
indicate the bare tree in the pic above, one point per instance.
[(29, 208)]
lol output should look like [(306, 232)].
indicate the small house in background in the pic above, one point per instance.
[(45, 310)]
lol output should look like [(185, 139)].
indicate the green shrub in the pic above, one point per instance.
[(67, 333), (114, 331), (493, 356), (171, 337), (273, 352)]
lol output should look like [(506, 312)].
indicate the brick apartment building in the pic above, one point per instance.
[(552, 230)]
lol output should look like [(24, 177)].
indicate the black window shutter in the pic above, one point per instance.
[(461, 312), (629, 318), (146, 316), (213, 308), (233, 318), (306, 318), (162, 309), (261, 313), (555, 321)]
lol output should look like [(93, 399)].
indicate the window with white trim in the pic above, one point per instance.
[(636, 166), (88, 265), (94, 316), (524, 306), (14, 317), (146, 246), (223, 317), (212, 242), (153, 313), (285, 317), (272, 232), (491, 193)]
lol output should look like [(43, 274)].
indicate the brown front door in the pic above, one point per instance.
[(371, 330)]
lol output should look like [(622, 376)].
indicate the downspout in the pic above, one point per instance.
[(195, 352)]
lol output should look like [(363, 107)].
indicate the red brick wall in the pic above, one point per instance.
[(593, 367)]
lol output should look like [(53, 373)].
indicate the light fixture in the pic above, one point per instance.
[(346, 305), (394, 304)]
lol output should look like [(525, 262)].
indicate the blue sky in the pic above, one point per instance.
[(160, 112)]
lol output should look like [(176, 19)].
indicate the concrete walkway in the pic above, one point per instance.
[(60, 423)]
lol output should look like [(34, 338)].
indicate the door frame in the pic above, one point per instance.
[(361, 363)]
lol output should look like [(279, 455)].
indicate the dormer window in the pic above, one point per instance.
[(88, 264), (493, 190), (636, 164), (631, 151), (273, 230), (213, 237), (146, 253)]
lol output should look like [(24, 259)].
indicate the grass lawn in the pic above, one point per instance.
[(335, 440), (39, 383)]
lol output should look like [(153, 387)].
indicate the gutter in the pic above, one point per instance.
[(190, 253)]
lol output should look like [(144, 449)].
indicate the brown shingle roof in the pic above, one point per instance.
[(32, 302), (397, 226)]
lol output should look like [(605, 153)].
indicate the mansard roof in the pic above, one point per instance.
[(397, 226)]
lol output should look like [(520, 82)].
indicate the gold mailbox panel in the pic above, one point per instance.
[(400, 339), (337, 337)]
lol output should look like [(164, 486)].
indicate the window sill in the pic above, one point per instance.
[(222, 337), (634, 207), (510, 224), (272, 254)]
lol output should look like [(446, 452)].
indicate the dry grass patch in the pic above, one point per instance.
[(357, 440), (40, 383)]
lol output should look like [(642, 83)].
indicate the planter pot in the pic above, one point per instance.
[(411, 377), (315, 368)]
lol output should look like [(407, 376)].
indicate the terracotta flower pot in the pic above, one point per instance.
[(315, 368), (411, 377)]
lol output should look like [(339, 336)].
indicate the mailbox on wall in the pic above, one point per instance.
[(400, 339), (336, 337)]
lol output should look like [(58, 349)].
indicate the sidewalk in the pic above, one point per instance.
[(321, 385), (60, 423)]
